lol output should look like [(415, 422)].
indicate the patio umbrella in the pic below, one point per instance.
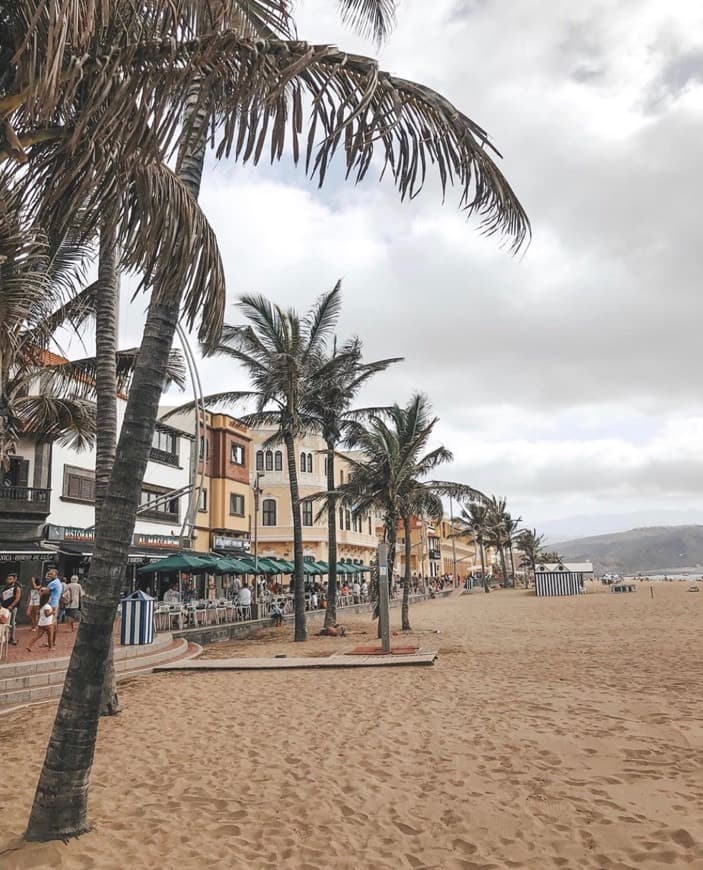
[(178, 562)]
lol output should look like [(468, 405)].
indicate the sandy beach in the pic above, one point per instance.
[(551, 733)]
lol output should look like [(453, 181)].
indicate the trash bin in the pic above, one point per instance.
[(137, 619)]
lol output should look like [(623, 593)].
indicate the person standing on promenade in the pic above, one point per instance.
[(73, 594), (33, 606), (54, 587), (10, 599)]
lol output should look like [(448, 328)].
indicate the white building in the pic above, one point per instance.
[(47, 509)]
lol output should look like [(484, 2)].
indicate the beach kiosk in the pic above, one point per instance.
[(562, 578)]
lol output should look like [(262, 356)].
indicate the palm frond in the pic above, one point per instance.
[(374, 18), (68, 421)]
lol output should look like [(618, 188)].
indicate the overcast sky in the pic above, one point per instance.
[(566, 379)]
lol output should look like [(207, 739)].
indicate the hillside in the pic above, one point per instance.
[(649, 550)]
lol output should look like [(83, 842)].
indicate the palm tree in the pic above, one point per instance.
[(530, 544), (285, 357), (474, 518), (328, 405), (389, 475), (108, 95)]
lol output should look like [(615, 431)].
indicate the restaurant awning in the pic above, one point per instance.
[(179, 562)]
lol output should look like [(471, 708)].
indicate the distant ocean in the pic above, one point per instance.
[(685, 575)]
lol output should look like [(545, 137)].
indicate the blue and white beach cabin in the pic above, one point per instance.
[(562, 578)]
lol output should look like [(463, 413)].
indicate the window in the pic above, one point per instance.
[(163, 440), (78, 483), (327, 465), (268, 512), (341, 518), (269, 460), (202, 504), (259, 460), (307, 513), (153, 502), (356, 523), (347, 520), (369, 525), (303, 462), (341, 476), (310, 462), (237, 454), (278, 461), (204, 450), (236, 504)]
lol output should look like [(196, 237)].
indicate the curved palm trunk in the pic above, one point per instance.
[(405, 609), (301, 631), (486, 588), (60, 808), (512, 562), (391, 537), (331, 612), (503, 567), (106, 329)]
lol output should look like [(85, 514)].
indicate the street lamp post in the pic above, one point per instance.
[(451, 523), (257, 490)]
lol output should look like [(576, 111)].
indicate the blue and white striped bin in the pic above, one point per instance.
[(137, 619)]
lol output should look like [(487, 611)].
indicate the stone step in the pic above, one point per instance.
[(136, 666)]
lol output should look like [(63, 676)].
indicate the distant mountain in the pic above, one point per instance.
[(653, 549), (570, 528)]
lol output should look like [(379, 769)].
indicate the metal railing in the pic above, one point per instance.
[(164, 456), (19, 494)]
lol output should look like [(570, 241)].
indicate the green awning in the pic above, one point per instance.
[(179, 562)]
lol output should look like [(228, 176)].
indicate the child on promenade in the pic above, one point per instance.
[(46, 621)]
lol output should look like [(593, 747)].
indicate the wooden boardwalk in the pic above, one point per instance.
[(421, 657)]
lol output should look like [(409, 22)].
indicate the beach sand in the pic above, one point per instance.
[(550, 733)]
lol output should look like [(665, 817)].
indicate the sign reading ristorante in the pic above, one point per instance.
[(70, 534)]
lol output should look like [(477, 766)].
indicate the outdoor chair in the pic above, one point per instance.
[(243, 612), (162, 617)]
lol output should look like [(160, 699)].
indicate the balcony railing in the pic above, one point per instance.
[(24, 499), (164, 456), (159, 516)]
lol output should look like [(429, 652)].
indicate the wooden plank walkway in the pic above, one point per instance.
[(422, 657)]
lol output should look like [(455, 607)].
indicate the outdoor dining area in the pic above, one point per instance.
[(207, 590)]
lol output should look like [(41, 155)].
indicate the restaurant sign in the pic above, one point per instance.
[(70, 534), (162, 542), (223, 543)]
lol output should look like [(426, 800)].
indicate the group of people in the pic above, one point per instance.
[(49, 601)]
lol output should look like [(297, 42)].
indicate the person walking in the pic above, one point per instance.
[(47, 620), (9, 599), (53, 586), (33, 606), (73, 595)]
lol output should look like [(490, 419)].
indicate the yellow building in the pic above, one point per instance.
[(356, 537), (434, 549), (224, 512)]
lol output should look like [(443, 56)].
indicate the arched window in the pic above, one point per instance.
[(278, 460), (259, 460), (268, 512), (303, 462), (341, 518), (369, 525), (341, 476), (307, 513), (310, 462), (269, 460), (347, 520)]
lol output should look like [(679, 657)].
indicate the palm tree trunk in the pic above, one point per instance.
[(331, 612), (391, 537), (503, 568), (301, 631), (486, 587), (405, 609), (106, 329), (60, 808), (512, 562)]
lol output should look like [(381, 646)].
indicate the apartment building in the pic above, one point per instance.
[(356, 536)]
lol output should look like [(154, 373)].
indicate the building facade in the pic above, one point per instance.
[(47, 514), (273, 531), (223, 517)]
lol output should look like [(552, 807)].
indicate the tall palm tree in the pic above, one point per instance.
[(474, 522), (390, 475), (530, 544), (285, 356), (328, 405), (108, 71)]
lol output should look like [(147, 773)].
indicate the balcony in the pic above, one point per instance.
[(164, 457), (24, 500), (158, 516)]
